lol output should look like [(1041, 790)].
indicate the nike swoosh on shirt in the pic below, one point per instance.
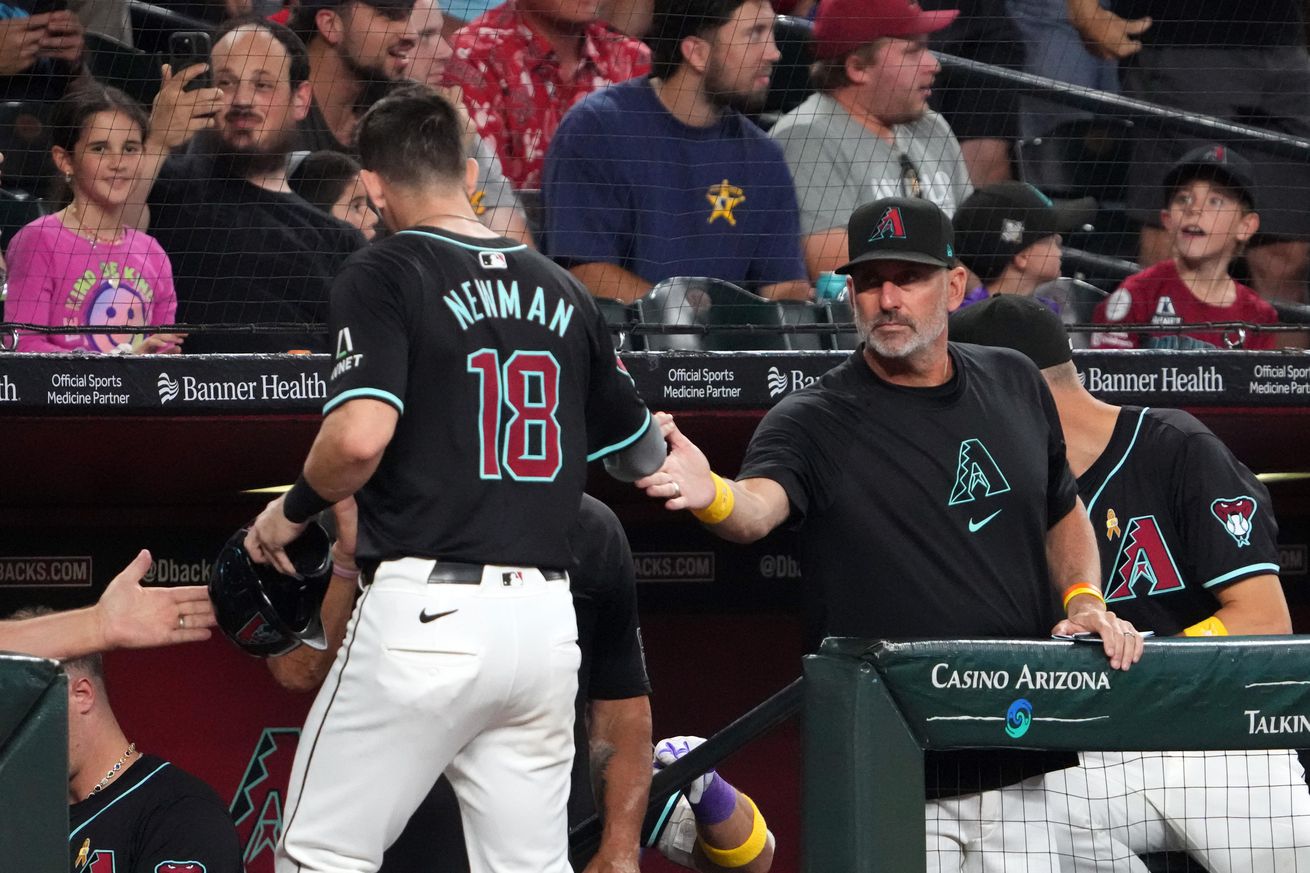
[(425, 618), (975, 526)]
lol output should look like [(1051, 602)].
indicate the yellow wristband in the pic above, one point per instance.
[(1082, 588), (747, 851), (1211, 627), (721, 506)]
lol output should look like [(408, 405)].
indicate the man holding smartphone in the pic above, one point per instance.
[(40, 49)]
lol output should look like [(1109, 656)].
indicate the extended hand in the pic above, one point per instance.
[(669, 750), (133, 617), (1113, 38), (683, 482), (177, 114)]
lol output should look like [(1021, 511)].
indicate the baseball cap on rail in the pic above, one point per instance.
[(899, 229), (1014, 321), (842, 26), (996, 222), (1216, 162)]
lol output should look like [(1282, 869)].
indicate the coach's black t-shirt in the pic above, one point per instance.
[(1217, 23), (506, 382), (1176, 518), (241, 254), (922, 513), (153, 818)]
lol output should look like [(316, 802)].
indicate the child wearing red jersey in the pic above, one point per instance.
[(1210, 216)]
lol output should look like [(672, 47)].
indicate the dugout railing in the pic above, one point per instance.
[(871, 709)]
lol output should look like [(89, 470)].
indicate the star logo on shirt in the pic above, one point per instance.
[(723, 198)]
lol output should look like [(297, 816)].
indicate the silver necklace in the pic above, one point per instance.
[(118, 765)]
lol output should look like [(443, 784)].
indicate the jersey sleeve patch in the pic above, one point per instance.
[(1235, 514)]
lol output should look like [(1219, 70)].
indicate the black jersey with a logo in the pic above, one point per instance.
[(1176, 518), (923, 513), (506, 381), (153, 818)]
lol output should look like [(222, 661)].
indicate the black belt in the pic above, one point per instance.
[(460, 573)]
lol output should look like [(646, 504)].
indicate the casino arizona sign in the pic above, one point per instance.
[(1028, 679)]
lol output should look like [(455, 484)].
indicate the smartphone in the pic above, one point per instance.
[(186, 48), (45, 7)]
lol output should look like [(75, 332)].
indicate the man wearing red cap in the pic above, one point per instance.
[(868, 133)]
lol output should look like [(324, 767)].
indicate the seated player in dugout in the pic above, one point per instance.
[(129, 810), (711, 827), (1210, 216)]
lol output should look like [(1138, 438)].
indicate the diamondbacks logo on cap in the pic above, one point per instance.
[(1235, 514), (1218, 154), (890, 226), (1011, 231)]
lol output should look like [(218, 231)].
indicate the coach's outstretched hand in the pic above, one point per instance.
[(684, 481), (127, 616), (134, 617)]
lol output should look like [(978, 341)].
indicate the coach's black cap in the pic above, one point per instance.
[(900, 229), (1216, 162), (995, 223), (1013, 321)]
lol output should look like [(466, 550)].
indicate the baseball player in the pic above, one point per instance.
[(1188, 546), (931, 497), (473, 381), (612, 729)]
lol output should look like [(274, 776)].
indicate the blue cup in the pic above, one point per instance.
[(829, 287)]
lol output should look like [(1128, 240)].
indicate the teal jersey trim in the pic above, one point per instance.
[(464, 245), (1249, 570), (1133, 442), (609, 450), (355, 393), (116, 799)]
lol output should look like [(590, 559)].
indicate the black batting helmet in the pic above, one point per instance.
[(265, 612)]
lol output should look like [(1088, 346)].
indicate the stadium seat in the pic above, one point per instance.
[(1080, 158), (798, 313), (17, 210), (25, 143), (789, 83), (620, 318), (839, 312), (711, 304), (131, 70), (152, 25)]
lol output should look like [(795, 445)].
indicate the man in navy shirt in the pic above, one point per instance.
[(665, 177)]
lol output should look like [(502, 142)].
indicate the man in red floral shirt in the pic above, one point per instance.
[(524, 63)]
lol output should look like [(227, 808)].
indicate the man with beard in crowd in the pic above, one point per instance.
[(243, 247), (356, 49), (711, 195)]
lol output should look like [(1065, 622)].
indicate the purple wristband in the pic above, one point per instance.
[(717, 803)]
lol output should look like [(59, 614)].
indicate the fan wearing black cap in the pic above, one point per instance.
[(1188, 545), (1009, 235), (930, 494), (1209, 214)]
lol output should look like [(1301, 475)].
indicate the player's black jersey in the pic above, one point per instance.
[(153, 818), (507, 384), (1176, 517), (923, 512)]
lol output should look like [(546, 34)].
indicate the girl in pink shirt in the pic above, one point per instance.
[(82, 266)]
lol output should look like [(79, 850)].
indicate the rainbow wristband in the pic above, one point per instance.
[(721, 506), (1082, 588), (1211, 627), (747, 851)]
